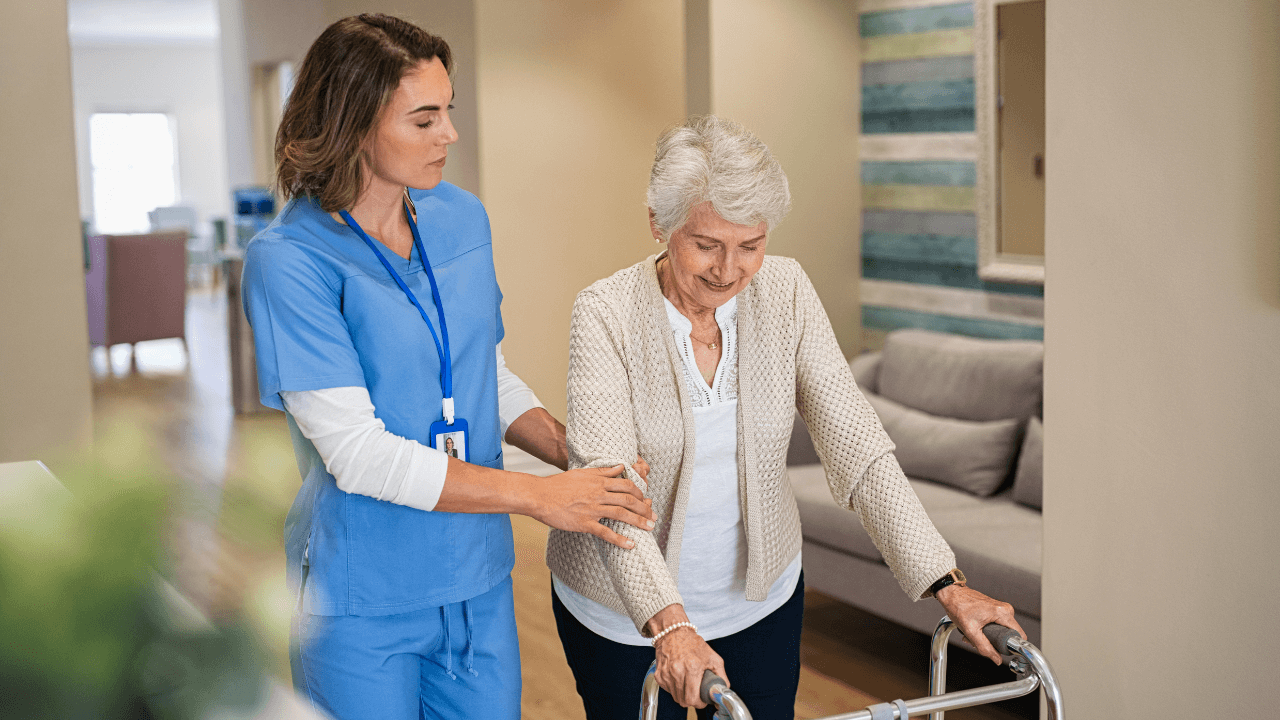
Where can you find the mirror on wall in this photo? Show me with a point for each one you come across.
(1010, 125)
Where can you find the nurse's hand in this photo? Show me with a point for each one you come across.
(578, 500)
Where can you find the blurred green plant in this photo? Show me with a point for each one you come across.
(88, 629)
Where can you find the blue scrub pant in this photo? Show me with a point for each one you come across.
(457, 661)
(762, 662)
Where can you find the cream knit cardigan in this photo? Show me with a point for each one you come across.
(627, 397)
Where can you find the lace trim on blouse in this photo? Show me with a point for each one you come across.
(724, 387)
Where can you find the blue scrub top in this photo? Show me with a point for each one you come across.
(326, 314)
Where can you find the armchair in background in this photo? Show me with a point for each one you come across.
(136, 287)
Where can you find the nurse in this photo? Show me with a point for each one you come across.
(375, 313)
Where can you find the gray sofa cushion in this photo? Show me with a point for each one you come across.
(972, 456)
(866, 368)
(1028, 483)
(962, 377)
(996, 541)
(801, 450)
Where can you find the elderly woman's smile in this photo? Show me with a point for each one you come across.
(710, 259)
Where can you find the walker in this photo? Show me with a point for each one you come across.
(1026, 662)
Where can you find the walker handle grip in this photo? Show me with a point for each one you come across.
(1000, 636)
(710, 679)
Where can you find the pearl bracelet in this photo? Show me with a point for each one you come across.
(669, 628)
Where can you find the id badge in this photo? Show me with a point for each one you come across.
(451, 439)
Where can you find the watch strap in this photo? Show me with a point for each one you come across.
(955, 577)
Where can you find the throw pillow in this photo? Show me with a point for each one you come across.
(1028, 483)
(972, 456)
(962, 377)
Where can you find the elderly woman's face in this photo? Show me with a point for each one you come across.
(712, 259)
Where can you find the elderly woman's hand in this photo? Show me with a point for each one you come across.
(682, 657)
(642, 469)
(971, 611)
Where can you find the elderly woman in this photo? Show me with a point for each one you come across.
(697, 359)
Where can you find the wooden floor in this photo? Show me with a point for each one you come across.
(236, 477)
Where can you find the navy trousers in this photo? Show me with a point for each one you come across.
(762, 662)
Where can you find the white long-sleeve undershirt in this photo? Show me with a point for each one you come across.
(366, 459)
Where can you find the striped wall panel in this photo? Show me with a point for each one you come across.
(916, 20)
(889, 318)
(919, 247)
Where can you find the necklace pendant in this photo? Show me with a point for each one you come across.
(713, 346)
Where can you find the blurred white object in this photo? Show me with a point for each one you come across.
(173, 217)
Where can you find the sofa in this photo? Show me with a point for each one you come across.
(965, 415)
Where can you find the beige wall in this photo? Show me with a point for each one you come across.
(45, 396)
(236, 87)
(573, 94)
(281, 30)
(789, 71)
(1162, 394)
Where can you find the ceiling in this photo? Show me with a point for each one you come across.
(142, 20)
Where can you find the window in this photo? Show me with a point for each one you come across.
(134, 169)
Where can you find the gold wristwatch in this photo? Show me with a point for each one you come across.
(955, 577)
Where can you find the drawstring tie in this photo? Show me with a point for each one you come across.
(468, 653)
(448, 645)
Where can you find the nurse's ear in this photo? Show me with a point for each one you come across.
(653, 227)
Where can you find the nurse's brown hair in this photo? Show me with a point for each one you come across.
(347, 77)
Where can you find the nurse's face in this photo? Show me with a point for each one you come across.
(410, 140)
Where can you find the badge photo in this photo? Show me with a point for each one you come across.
(451, 439)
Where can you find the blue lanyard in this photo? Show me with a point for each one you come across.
(446, 359)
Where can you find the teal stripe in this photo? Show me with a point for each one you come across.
(894, 72)
(929, 95)
(920, 248)
(933, 172)
(918, 121)
(940, 272)
(916, 20)
(906, 222)
(887, 318)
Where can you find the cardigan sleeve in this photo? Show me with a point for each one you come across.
(845, 429)
(857, 454)
(901, 530)
(601, 432)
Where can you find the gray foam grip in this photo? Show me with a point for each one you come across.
(999, 636)
(708, 679)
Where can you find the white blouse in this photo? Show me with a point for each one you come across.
(713, 553)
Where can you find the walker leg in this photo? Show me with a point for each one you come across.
(938, 661)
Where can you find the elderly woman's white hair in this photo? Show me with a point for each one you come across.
(707, 158)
